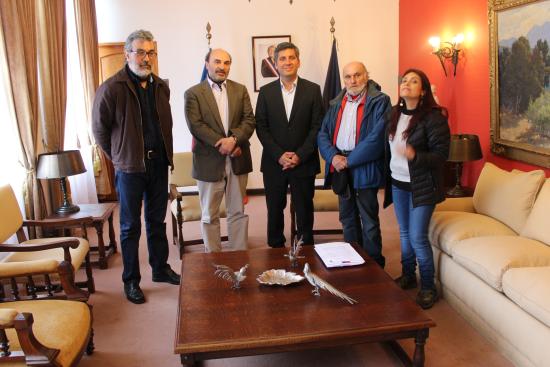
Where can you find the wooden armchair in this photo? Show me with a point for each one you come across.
(50, 332)
(324, 200)
(36, 262)
(184, 200)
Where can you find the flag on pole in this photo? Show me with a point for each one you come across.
(204, 71)
(333, 86)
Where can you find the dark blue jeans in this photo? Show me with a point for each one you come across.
(150, 186)
(360, 222)
(413, 232)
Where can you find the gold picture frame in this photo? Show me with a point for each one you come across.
(520, 79)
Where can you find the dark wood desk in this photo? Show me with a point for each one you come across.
(215, 321)
(99, 213)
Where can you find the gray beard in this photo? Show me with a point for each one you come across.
(142, 73)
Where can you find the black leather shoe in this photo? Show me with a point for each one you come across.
(134, 292)
(167, 276)
(426, 298)
(406, 281)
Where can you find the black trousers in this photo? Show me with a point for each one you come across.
(302, 190)
(149, 187)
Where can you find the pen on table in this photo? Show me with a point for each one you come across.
(345, 262)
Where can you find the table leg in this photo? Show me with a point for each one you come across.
(420, 341)
(112, 238)
(100, 245)
(188, 360)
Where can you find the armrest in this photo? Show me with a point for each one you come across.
(66, 243)
(7, 316)
(464, 204)
(58, 222)
(174, 194)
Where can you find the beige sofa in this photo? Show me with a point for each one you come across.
(492, 254)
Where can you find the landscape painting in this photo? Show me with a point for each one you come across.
(520, 97)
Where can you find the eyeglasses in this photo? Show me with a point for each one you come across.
(141, 53)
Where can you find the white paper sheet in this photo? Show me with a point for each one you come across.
(337, 254)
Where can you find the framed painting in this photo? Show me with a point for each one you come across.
(263, 62)
(519, 36)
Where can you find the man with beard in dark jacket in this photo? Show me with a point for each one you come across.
(132, 123)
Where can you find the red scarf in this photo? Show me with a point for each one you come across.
(360, 111)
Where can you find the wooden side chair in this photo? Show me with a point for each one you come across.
(47, 332)
(184, 200)
(35, 263)
(324, 200)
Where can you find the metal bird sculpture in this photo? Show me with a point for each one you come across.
(317, 283)
(293, 253)
(226, 273)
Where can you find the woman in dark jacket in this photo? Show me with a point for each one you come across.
(418, 145)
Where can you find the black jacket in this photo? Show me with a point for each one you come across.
(278, 135)
(116, 121)
(430, 138)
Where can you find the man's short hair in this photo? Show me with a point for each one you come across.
(207, 57)
(140, 34)
(285, 46)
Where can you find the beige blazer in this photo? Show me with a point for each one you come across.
(205, 124)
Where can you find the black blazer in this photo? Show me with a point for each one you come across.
(278, 135)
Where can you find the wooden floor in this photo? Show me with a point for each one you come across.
(143, 335)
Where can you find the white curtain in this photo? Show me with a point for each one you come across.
(83, 189)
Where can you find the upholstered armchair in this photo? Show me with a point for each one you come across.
(184, 200)
(36, 262)
(324, 200)
(46, 332)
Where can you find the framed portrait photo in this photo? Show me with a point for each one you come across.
(519, 36)
(263, 62)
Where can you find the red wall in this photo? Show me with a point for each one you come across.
(467, 95)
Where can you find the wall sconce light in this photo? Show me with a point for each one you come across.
(447, 50)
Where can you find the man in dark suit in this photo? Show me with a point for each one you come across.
(288, 116)
(220, 118)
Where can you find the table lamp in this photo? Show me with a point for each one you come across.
(60, 165)
(463, 148)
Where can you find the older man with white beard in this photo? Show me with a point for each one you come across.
(132, 123)
(351, 140)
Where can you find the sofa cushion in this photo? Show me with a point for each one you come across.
(448, 228)
(537, 225)
(59, 324)
(529, 288)
(490, 257)
(507, 196)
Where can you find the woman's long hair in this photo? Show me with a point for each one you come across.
(425, 105)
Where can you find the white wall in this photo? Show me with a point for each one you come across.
(367, 30)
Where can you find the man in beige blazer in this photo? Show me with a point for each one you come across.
(220, 118)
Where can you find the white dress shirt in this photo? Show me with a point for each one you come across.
(348, 125)
(220, 95)
(288, 97)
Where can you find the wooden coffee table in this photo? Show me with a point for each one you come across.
(215, 321)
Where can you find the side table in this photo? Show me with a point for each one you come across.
(100, 213)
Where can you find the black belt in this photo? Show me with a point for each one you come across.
(345, 153)
(151, 154)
